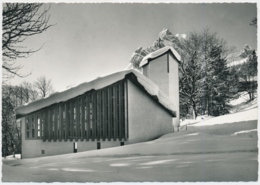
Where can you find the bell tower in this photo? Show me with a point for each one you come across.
(161, 67)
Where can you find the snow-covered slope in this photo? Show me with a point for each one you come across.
(247, 115)
(242, 111)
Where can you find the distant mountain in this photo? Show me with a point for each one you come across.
(239, 57)
(166, 38)
(246, 51)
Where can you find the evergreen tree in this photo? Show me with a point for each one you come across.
(223, 86)
(190, 83)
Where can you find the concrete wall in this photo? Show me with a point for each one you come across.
(33, 148)
(174, 88)
(146, 119)
(157, 72)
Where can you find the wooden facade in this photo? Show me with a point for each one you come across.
(96, 115)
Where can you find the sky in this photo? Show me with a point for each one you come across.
(90, 40)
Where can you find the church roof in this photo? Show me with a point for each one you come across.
(139, 79)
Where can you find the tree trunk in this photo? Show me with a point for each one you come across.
(250, 96)
(208, 105)
(195, 114)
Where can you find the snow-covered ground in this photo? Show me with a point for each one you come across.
(243, 98)
(209, 150)
(182, 156)
(247, 115)
(246, 132)
(242, 111)
(11, 157)
(192, 121)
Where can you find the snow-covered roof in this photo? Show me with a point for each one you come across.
(96, 84)
(158, 53)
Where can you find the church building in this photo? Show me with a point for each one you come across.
(122, 108)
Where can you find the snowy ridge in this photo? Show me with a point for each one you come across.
(237, 62)
(96, 84)
(158, 53)
(239, 57)
(246, 51)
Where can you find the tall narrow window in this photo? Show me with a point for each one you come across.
(107, 110)
(90, 115)
(80, 119)
(58, 122)
(27, 128)
(68, 115)
(123, 111)
(101, 113)
(42, 122)
(47, 124)
(64, 121)
(53, 124)
(117, 108)
(33, 125)
(112, 112)
(38, 127)
(74, 121)
(86, 121)
(95, 115)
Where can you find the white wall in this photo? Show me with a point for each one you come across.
(146, 119)
(157, 72)
(174, 88)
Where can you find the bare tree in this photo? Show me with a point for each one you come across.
(12, 97)
(20, 21)
(29, 91)
(43, 86)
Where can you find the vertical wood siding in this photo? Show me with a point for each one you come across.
(61, 132)
(109, 110)
(77, 124)
(96, 115)
(55, 112)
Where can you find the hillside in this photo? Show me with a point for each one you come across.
(247, 110)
